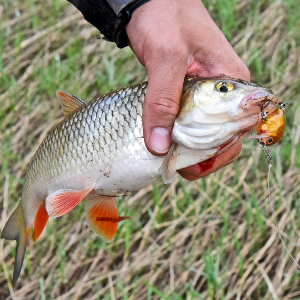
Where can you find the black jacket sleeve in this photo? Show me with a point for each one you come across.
(109, 17)
(100, 14)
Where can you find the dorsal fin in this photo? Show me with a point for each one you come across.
(69, 103)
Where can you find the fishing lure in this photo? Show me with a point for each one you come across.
(271, 128)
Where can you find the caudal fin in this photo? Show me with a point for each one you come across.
(15, 229)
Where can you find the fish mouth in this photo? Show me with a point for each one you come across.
(260, 100)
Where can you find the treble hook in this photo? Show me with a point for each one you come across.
(263, 114)
(267, 154)
(263, 105)
(283, 105)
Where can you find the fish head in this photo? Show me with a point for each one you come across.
(218, 112)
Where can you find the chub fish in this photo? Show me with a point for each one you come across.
(97, 152)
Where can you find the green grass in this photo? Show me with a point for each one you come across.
(207, 239)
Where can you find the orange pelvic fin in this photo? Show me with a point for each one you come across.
(63, 201)
(69, 103)
(40, 221)
(102, 216)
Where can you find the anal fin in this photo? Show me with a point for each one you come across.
(40, 221)
(102, 216)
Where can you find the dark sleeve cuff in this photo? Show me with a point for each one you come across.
(100, 15)
(109, 22)
(118, 5)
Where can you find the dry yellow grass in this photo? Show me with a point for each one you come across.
(210, 239)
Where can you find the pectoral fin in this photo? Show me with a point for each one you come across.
(102, 216)
(63, 201)
(168, 168)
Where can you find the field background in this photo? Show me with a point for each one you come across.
(214, 238)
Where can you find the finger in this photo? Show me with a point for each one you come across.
(165, 81)
(213, 164)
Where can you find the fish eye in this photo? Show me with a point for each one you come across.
(270, 140)
(224, 86)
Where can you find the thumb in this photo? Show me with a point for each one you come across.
(162, 101)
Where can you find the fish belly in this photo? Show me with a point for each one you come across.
(127, 175)
(121, 176)
(124, 174)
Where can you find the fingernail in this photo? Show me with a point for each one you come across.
(160, 140)
(190, 172)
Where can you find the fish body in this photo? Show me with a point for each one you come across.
(97, 152)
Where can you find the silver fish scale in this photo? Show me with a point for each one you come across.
(101, 131)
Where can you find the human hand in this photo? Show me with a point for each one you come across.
(174, 38)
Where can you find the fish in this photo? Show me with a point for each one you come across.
(97, 152)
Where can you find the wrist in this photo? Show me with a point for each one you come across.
(109, 16)
(120, 34)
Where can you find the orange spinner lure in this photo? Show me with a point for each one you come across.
(271, 129)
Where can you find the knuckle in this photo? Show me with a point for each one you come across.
(167, 52)
(177, 52)
(165, 106)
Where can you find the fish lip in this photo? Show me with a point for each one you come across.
(258, 136)
(254, 100)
